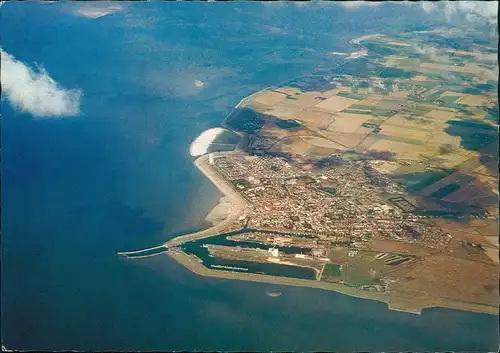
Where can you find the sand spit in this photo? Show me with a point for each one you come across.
(370, 36)
(195, 266)
(201, 144)
(406, 305)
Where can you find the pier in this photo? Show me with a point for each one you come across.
(144, 252)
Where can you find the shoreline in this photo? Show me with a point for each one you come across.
(201, 270)
(244, 100)
(393, 303)
(238, 205)
(237, 210)
(201, 144)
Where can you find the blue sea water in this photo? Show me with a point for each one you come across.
(76, 190)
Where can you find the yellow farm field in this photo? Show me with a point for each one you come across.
(481, 79)
(285, 111)
(258, 107)
(329, 93)
(492, 253)
(306, 99)
(414, 124)
(397, 94)
(467, 68)
(451, 94)
(479, 115)
(336, 103)
(484, 170)
(270, 129)
(323, 151)
(486, 227)
(402, 150)
(405, 132)
(440, 115)
(289, 90)
(487, 180)
(315, 118)
(322, 143)
(367, 142)
(293, 144)
(450, 160)
(463, 279)
(371, 100)
(385, 167)
(441, 138)
(475, 100)
(436, 107)
(269, 98)
(349, 123)
(344, 139)
(483, 56)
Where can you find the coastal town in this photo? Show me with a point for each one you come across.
(339, 204)
(380, 185)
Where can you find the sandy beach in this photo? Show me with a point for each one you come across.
(238, 205)
(201, 144)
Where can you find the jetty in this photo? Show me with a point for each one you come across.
(143, 252)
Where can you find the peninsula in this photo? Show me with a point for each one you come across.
(376, 178)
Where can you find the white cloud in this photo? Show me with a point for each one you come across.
(96, 9)
(428, 6)
(358, 4)
(274, 3)
(473, 10)
(312, 5)
(36, 92)
(434, 53)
